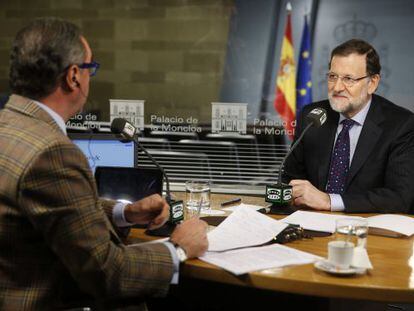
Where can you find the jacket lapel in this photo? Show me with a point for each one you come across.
(370, 134)
(327, 137)
(30, 108)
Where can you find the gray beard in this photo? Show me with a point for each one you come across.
(351, 107)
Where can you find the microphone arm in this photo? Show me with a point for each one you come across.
(167, 182)
(126, 132)
(282, 165)
(280, 195)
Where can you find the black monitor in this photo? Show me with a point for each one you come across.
(127, 183)
(105, 150)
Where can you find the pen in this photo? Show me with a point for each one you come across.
(232, 201)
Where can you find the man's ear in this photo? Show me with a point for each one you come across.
(373, 83)
(72, 78)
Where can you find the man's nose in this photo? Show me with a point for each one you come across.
(339, 85)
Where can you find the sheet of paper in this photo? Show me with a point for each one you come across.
(258, 258)
(314, 220)
(234, 207)
(397, 223)
(243, 228)
(360, 258)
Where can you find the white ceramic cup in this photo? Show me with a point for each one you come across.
(340, 253)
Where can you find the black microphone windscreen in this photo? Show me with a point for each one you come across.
(118, 125)
(122, 127)
(316, 117)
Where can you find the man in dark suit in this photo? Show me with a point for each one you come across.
(60, 244)
(362, 158)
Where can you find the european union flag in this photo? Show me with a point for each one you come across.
(304, 76)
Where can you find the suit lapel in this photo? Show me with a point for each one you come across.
(327, 137)
(30, 108)
(370, 134)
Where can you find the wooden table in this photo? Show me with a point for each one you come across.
(391, 280)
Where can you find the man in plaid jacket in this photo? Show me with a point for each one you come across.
(59, 242)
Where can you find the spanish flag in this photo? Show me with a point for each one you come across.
(285, 100)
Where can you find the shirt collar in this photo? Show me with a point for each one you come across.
(360, 117)
(56, 117)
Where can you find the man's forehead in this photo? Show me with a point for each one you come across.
(353, 62)
(353, 57)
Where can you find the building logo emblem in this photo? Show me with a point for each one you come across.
(131, 110)
(228, 117)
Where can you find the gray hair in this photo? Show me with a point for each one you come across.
(41, 53)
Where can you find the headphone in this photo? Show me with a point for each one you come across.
(76, 82)
(79, 86)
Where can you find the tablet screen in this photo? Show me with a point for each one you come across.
(128, 183)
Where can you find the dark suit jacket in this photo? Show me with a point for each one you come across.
(3, 100)
(381, 176)
(57, 243)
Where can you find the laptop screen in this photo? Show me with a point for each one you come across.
(105, 150)
(128, 184)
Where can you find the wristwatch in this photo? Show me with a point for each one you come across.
(181, 254)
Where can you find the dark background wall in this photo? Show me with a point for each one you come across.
(167, 52)
(181, 55)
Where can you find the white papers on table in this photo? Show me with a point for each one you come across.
(386, 224)
(243, 228)
(234, 207)
(314, 220)
(246, 260)
(391, 225)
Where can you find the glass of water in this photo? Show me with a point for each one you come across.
(354, 230)
(197, 196)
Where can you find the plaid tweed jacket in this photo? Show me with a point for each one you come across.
(57, 243)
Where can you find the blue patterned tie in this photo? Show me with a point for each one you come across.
(340, 160)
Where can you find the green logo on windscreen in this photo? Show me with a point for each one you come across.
(279, 193)
(176, 211)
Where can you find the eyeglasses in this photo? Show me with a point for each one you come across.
(92, 66)
(348, 81)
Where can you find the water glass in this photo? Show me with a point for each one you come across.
(197, 197)
(354, 230)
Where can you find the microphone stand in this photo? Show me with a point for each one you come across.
(280, 194)
(176, 207)
(126, 132)
(155, 162)
(282, 165)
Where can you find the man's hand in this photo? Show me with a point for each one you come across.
(152, 210)
(305, 194)
(191, 235)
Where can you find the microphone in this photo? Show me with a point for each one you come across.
(126, 132)
(280, 194)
